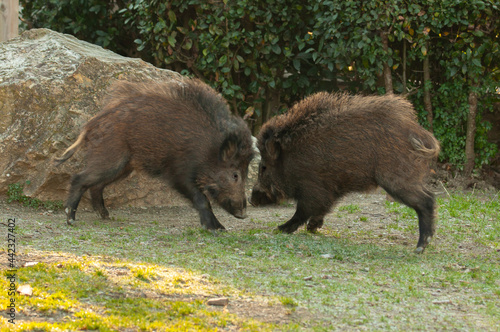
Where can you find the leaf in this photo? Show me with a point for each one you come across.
(222, 60)
(276, 49)
(188, 44)
(296, 64)
(171, 40)
(424, 50)
(171, 16)
(249, 112)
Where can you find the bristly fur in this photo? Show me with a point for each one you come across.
(194, 94)
(329, 145)
(327, 109)
(182, 132)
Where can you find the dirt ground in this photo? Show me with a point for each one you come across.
(372, 208)
(49, 224)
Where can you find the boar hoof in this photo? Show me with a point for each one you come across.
(285, 229)
(71, 222)
(313, 225)
(419, 250)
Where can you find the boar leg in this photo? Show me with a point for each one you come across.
(98, 201)
(299, 218)
(99, 172)
(422, 201)
(96, 192)
(314, 223)
(315, 210)
(207, 217)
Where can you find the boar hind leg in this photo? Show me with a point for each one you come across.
(422, 201)
(96, 174)
(98, 201)
(97, 190)
(314, 223)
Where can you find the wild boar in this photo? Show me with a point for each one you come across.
(329, 145)
(182, 133)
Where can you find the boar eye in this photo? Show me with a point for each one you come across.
(235, 176)
(263, 168)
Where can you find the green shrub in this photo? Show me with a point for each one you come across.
(264, 56)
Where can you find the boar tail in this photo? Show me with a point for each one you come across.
(71, 150)
(427, 148)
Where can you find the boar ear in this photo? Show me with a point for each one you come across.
(229, 148)
(273, 149)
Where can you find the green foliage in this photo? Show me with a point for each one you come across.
(264, 56)
(96, 21)
(15, 194)
(243, 48)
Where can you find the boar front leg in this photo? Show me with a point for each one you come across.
(308, 209)
(207, 217)
(299, 218)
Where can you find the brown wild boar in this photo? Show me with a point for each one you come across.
(329, 145)
(182, 133)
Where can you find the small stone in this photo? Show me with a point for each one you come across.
(25, 290)
(30, 264)
(220, 301)
(308, 278)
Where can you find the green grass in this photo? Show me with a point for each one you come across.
(15, 193)
(351, 208)
(360, 278)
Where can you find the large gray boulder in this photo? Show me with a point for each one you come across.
(50, 85)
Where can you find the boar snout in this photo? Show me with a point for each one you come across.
(237, 209)
(260, 197)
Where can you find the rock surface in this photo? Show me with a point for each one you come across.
(51, 84)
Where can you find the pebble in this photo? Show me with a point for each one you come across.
(219, 301)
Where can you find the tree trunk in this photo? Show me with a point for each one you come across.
(470, 156)
(387, 70)
(427, 92)
(9, 19)
(271, 104)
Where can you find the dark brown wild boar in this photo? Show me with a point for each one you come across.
(182, 133)
(331, 144)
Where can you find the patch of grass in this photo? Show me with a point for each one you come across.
(351, 208)
(355, 278)
(75, 296)
(472, 218)
(15, 193)
(287, 301)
